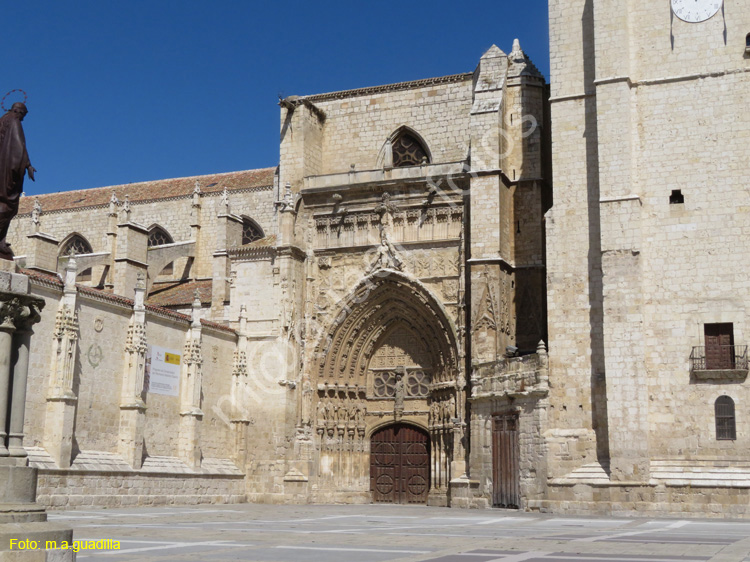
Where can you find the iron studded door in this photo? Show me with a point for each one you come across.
(400, 465)
(505, 469)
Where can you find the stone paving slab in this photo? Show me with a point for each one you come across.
(380, 533)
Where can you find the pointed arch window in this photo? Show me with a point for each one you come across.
(408, 150)
(77, 244)
(251, 231)
(726, 427)
(157, 236)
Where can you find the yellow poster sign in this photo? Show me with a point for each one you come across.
(172, 358)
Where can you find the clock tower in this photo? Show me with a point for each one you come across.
(647, 244)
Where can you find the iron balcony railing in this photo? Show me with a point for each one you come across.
(719, 358)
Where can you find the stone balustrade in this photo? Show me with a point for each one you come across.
(512, 376)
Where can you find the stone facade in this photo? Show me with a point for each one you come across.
(399, 313)
(399, 241)
(645, 259)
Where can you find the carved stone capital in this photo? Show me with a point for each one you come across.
(19, 312)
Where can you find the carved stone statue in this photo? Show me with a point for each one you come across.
(400, 390)
(14, 163)
(386, 257)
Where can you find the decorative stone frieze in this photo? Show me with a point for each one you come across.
(513, 377)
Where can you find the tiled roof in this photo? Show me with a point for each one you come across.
(43, 277)
(168, 313)
(263, 247)
(218, 326)
(175, 294)
(425, 82)
(267, 242)
(104, 295)
(180, 293)
(149, 190)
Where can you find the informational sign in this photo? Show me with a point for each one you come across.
(163, 371)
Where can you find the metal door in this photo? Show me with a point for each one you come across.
(400, 465)
(505, 469)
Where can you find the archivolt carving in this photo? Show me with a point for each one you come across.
(376, 306)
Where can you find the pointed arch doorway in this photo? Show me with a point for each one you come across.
(400, 464)
(389, 360)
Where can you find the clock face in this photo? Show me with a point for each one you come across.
(695, 11)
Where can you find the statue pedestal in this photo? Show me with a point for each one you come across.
(7, 266)
(18, 492)
(25, 533)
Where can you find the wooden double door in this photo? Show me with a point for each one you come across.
(400, 464)
(719, 346)
(506, 489)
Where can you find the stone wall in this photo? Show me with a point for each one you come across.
(357, 126)
(59, 489)
(646, 245)
(90, 443)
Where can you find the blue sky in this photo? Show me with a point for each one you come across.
(121, 92)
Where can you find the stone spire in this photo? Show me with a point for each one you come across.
(489, 75)
(519, 64)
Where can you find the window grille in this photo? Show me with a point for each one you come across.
(408, 151)
(76, 244)
(416, 384)
(157, 236)
(725, 421)
(250, 231)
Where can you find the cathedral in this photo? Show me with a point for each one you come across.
(476, 290)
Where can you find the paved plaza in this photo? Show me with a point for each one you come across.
(380, 533)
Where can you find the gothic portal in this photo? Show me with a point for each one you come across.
(389, 360)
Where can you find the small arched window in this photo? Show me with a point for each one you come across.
(78, 245)
(251, 231)
(408, 150)
(725, 421)
(157, 236)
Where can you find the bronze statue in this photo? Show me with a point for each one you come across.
(14, 163)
